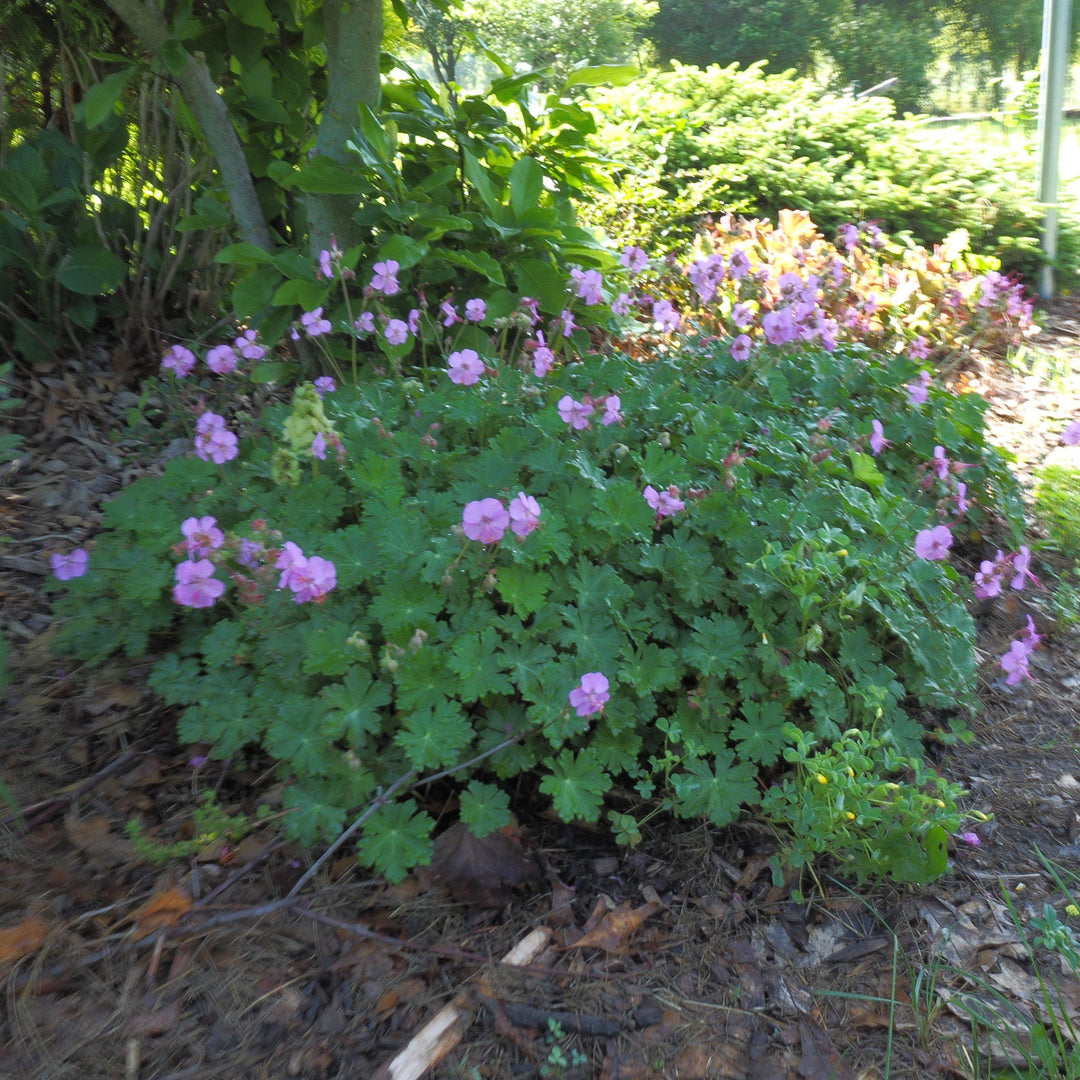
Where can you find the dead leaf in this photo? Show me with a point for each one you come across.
(93, 836)
(405, 990)
(162, 909)
(19, 941)
(481, 870)
(820, 1059)
(156, 1022)
(614, 927)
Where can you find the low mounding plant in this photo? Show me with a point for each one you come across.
(627, 583)
(692, 142)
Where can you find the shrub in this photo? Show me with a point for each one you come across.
(693, 142)
(643, 584)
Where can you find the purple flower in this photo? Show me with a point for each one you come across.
(878, 442)
(933, 543)
(212, 441)
(179, 360)
(314, 323)
(738, 264)
(543, 357)
(414, 320)
(968, 838)
(524, 513)
(312, 580)
(566, 321)
(665, 317)
(475, 310)
(622, 304)
(365, 323)
(449, 313)
(1071, 435)
(196, 585)
(201, 535)
(612, 415)
(575, 413)
(591, 694)
(385, 279)
(221, 359)
(325, 384)
(396, 332)
(1029, 635)
(73, 565)
(740, 347)
(326, 267)
(848, 235)
(250, 554)
(919, 390)
(665, 503)
(961, 497)
(919, 349)
(485, 520)
(988, 577)
(249, 346)
(940, 464)
(742, 316)
(779, 326)
(634, 259)
(589, 284)
(1015, 663)
(465, 367)
(290, 560)
(318, 446)
(1020, 564)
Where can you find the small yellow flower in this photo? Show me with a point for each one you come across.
(1072, 910)
(822, 779)
(850, 816)
(842, 551)
(939, 804)
(1020, 886)
(850, 771)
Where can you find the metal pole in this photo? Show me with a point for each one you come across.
(1052, 69)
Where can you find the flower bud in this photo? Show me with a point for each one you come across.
(664, 439)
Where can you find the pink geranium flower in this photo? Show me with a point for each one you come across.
(221, 359)
(384, 279)
(1071, 435)
(575, 413)
(66, 567)
(179, 360)
(933, 543)
(524, 513)
(665, 503)
(878, 442)
(591, 694)
(485, 520)
(465, 367)
(612, 415)
(201, 535)
(196, 585)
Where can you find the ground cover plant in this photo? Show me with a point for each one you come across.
(691, 142)
(706, 577)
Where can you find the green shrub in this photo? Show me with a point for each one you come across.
(1057, 503)
(695, 142)
(725, 553)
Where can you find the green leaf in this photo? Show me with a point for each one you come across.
(253, 293)
(484, 808)
(760, 736)
(395, 839)
(597, 74)
(436, 737)
(524, 590)
(477, 660)
(308, 294)
(101, 98)
(478, 261)
(244, 255)
(526, 185)
(175, 57)
(542, 281)
(253, 13)
(577, 785)
(717, 644)
(404, 250)
(355, 703)
(864, 469)
(91, 270)
(718, 793)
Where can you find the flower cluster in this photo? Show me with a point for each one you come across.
(486, 520)
(221, 359)
(991, 572)
(1015, 662)
(213, 441)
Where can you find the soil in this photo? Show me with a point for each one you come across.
(677, 959)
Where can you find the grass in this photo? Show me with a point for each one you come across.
(1057, 504)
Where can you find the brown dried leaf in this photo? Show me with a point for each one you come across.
(481, 871)
(612, 930)
(19, 941)
(162, 909)
(93, 836)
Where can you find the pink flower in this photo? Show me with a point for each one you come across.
(919, 390)
(475, 310)
(591, 694)
(179, 360)
(215, 443)
(318, 446)
(291, 560)
(1071, 435)
(312, 580)
(622, 304)
(779, 326)
(414, 320)
(742, 316)
(249, 346)
(325, 384)
(485, 520)
(575, 413)
(201, 535)
(589, 284)
(326, 267)
(566, 321)
(221, 359)
(524, 514)
(1015, 662)
(940, 464)
(878, 442)
(612, 404)
(1029, 636)
(66, 567)
(1021, 564)
(961, 497)
(543, 357)
(465, 367)
(665, 318)
(919, 350)
(396, 332)
(385, 279)
(634, 259)
(740, 347)
(665, 503)
(314, 323)
(195, 584)
(364, 324)
(449, 313)
(968, 838)
(933, 543)
(988, 577)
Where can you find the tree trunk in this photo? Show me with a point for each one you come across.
(353, 38)
(204, 101)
